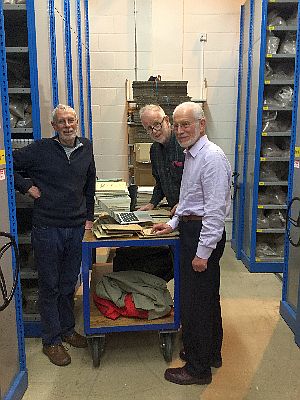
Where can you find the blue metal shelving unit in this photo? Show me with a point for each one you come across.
(290, 303)
(248, 235)
(20, 382)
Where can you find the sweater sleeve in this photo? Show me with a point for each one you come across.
(158, 193)
(23, 161)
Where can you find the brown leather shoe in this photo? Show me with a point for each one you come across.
(181, 377)
(57, 354)
(76, 340)
(216, 363)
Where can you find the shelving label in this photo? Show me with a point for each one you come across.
(260, 206)
(297, 151)
(264, 134)
(263, 159)
(2, 156)
(259, 230)
(258, 259)
(265, 108)
(267, 82)
(261, 183)
(271, 28)
(269, 55)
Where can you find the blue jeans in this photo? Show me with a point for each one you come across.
(57, 254)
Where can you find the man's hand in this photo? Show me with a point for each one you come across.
(161, 229)
(146, 207)
(88, 225)
(172, 212)
(34, 192)
(199, 264)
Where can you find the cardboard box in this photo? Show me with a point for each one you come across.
(142, 152)
(143, 175)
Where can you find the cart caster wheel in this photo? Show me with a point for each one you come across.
(166, 345)
(97, 344)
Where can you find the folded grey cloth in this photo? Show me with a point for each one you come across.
(149, 292)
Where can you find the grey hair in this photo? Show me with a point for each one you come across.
(151, 107)
(64, 108)
(195, 107)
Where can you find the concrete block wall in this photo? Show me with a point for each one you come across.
(168, 44)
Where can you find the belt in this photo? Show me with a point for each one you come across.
(186, 218)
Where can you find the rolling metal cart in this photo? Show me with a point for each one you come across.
(96, 325)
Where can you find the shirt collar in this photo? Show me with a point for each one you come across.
(194, 150)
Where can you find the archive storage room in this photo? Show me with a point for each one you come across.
(150, 199)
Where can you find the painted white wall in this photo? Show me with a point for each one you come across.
(168, 44)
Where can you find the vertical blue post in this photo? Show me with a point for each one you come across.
(35, 100)
(88, 68)
(68, 45)
(55, 99)
(80, 72)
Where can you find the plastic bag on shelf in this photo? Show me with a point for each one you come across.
(277, 195)
(262, 220)
(284, 144)
(26, 122)
(278, 245)
(276, 219)
(16, 106)
(282, 170)
(31, 296)
(293, 19)
(268, 70)
(270, 149)
(269, 122)
(283, 97)
(13, 120)
(267, 173)
(264, 250)
(272, 122)
(274, 18)
(272, 44)
(288, 44)
(263, 197)
(8, 1)
(284, 71)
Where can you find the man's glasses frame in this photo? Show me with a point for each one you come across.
(155, 127)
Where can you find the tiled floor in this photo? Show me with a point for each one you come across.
(260, 359)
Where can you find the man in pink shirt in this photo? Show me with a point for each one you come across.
(204, 203)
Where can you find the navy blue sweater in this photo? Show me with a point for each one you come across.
(67, 186)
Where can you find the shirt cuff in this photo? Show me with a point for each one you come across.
(204, 252)
(173, 222)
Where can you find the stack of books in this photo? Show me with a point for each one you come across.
(108, 231)
(111, 196)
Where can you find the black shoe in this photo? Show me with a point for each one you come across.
(181, 377)
(216, 363)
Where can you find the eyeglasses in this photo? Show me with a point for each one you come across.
(156, 126)
(64, 122)
(183, 125)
